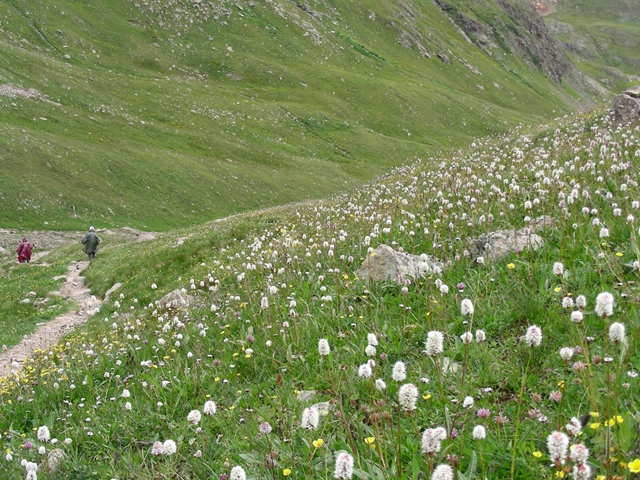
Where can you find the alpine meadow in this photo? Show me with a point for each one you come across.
(352, 240)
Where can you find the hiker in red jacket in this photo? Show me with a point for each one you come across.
(24, 251)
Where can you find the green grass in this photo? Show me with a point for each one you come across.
(609, 31)
(16, 281)
(171, 361)
(298, 120)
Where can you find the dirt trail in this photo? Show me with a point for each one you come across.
(48, 334)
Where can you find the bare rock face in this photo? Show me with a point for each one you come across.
(626, 107)
(500, 243)
(387, 264)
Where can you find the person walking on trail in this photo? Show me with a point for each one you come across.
(24, 251)
(90, 242)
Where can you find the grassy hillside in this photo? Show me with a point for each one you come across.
(602, 37)
(166, 113)
(264, 288)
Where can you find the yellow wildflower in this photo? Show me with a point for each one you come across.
(634, 466)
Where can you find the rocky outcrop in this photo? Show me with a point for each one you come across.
(516, 27)
(176, 299)
(626, 107)
(384, 263)
(500, 243)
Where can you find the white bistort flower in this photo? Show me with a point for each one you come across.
(434, 345)
(479, 432)
(617, 333)
(194, 417)
(399, 373)
(581, 301)
(574, 427)
(344, 466)
(466, 307)
(566, 353)
(442, 472)
(310, 418)
(533, 337)
(323, 347)
(372, 339)
(468, 402)
(43, 434)
(567, 302)
(431, 440)
(407, 396)
(370, 351)
(364, 371)
(558, 269)
(209, 407)
(466, 338)
(582, 472)
(577, 316)
(604, 304)
(557, 443)
(237, 473)
(380, 385)
(481, 336)
(169, 447)
(579, 454)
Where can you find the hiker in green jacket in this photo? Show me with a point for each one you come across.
(90, 242)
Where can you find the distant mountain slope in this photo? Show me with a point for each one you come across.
(160, 113)
(602, 37)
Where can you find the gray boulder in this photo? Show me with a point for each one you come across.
(145, 237)
(500, 243)
(176, 299)
(384, 263)
(626, 107)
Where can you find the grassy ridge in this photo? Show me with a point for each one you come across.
(165, 116)
(267, 286)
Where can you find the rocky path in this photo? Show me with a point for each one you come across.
(48, 334)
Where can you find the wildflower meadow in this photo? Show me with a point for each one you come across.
(275, 360)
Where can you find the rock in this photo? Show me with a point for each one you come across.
(112, 289)
(500, 243)
(3, 252)
(385, 263)
(59, 277)
(130, 231)
(26, 300)
(305, 395)
(635, 93)
(626, 107)
(176, 299)
(38, 304)
(145, 237)
(31, 294)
